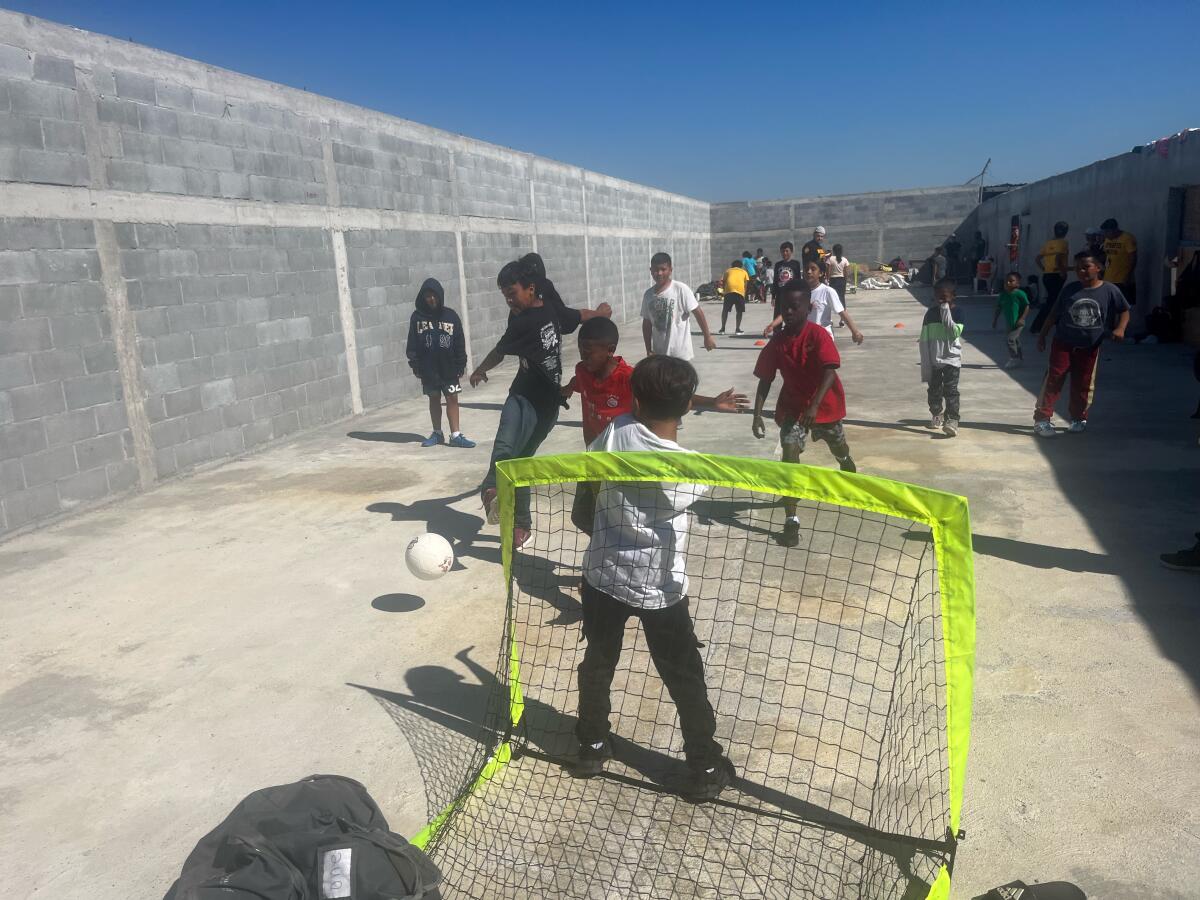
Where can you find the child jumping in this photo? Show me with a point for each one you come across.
(812, 400)
(635, 566)
(437, 353)
(941, 357)
(1013, 303)
(531, 409)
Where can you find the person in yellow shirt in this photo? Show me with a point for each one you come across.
(1052, 260)
(1120, 252)
(736, 279)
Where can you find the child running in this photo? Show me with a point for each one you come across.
(531, 410)
(941, 357)
(437, 353)
(812, 400)
(635, 566)
(1013, 304)
(667, 308)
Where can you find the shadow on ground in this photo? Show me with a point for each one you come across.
(388, 437)
(440, 719)
(1132, 476)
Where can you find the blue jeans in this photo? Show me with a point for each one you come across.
(520, 433)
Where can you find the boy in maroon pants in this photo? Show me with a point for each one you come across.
(1084, 312)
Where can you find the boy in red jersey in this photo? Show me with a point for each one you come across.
(812, 400)
(602, 380)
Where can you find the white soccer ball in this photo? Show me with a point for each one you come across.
(429, 556)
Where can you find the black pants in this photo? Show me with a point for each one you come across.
(839, 285)
(1053, 285)
(733, 301)
(943, 391)
(675, 651)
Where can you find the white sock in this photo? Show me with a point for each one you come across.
(455, 434)
(795, 519)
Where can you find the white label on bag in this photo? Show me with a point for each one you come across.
(335, 874)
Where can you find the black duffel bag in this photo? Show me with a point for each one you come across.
(321, 838)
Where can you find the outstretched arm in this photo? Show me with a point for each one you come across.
(603, 310)
(726, 401)
(490, 361)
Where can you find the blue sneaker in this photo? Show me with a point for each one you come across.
(434, 439)
(461, 440)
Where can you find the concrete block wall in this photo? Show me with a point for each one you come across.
(194, 263)
(64, 435)
(871, 227)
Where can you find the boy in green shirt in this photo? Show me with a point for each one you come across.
(1014, 304)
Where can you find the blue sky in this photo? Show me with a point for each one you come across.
(723, 102)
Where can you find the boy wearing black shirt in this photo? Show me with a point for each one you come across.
(787, 269)
(531, 410)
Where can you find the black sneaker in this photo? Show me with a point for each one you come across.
(1183, 560)
(791, 534)
(702, 785)
(590, 760)
(847, 465)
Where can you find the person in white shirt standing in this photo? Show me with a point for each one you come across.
(635, 565)
(667, 310)
(825, 305)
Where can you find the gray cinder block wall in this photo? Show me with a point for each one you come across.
(1142, 191)
(871, 227)
(189, 258)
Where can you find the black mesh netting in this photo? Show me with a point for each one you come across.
(823, 663)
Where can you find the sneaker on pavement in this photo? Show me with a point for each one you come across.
(722, 331)
(590, 760)
(702, 785)
(847, 464)
(739, 331)
(521, 536)
(790, 537)
(950, 427)
(461, 440)
(1079, 426)
(434, 439)
(935, 421)
(491, 508)
(1183, 560)
(1044, 429)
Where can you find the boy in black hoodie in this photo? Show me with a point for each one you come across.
(437, 352)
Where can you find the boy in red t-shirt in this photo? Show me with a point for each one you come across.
(812, 400)
(602, 380)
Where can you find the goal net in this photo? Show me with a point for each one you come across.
(838, 665)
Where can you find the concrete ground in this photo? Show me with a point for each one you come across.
(166, 655)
